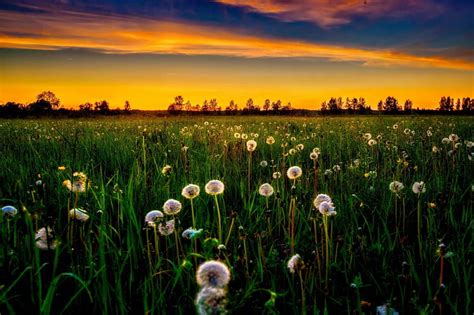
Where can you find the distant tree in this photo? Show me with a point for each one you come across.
(361, 105)
(40, 106)
(407, 107)
(335, 105)
(11, 109)
(127, 107)
(266, 105)
(380, 106)
(446, 104)
(232, 107)
(340, 103)
(102, 107)
(391, 105)
(50, 97)
(348, 104)
(324, 106)
(86, 107)
(188, 106)
(276, 106)
(458, 104)
(213, 106)
(205, 106)
(249, 105)
(287, 107)
(466, 104)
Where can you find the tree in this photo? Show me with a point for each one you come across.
(232, 107)
(348, 104)
(266, 105)
(276, 105)
(213, 106)
(408, 105)
(86, 107)
(102, 106)
(391, 105)
(335, 105)
(361, 105)
(324, 106)
(458, 104)
(467, 104)
(205, 106)
(50, 97)
(446, 104)
(249, 105)
(380, 106)
(287, 106)
(127, 107)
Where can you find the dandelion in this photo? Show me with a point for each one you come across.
(251, 145)
(320, 199)
(419, 188)
(212, 273)
(266, 190)
(327, 172)
(61, 168)
(292, 151)
(445, 141)
(172, 207)
(78, 214)
(166, 228)
(300, 147)
(191, 233)
(317, 150)
(276, 175)
(313, 156)
(395, 127)
(434, 149)
(211, 300)
(263, 163)
(152, 217)
(270, 140)
(396, 187)
(327, 209)
(166, 170)
(367, 136)
(44, 239)
(294, 172)
(372, 142)
(214, 187)
(244, 136)
(237, 135)
(79, 184)
(453, 137)
(294, 263)
(191, 191)
(9, 211)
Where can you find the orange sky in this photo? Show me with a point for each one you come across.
(180, 62)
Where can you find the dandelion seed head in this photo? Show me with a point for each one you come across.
(396, 186)
(191, 191)
(276, 175)
(78, 214)
(266, 190)
(211, 300)
(166, 228)
(172, 207)
(313, 156)
(419, 187)
(294, 172)
(251, 145)
(152, 217)
(294, 263)
(270, 140)
(214, 187)
(9, 211)
(321, 198)
(213, 273)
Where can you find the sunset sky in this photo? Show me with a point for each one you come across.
(303, 52)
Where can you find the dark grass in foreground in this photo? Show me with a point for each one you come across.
(382, 247)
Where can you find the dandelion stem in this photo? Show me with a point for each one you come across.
(230, 231)
(325, 223)
(303, 302)
(218, 219)
(419, 226)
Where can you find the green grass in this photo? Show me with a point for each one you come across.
(106, 266)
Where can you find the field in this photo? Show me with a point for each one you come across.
(389, 248)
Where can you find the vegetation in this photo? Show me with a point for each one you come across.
(402, 237)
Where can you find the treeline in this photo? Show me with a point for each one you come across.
(179, 106)
(48, 104)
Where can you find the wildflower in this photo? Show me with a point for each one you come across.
(327, 208)
(396, 186)
(294, 263)
(276, 175)
(9, 211)
(445, 141)
(237, 135)
(214, 187)
(431, 205)
(395, 127)
(372, 142)
(61, 168)
(244, 136)
(300, 147)
(251, 145)
(45, 239)
(320, 199)
(453, 137)
(270, 140)
(79, 184)
(213, 273)
(265, 190)
(264, 163)
(292, 151)
(419, 187)
(78, 214)
(317, 151)
(166, 228)
(434, 149)
(336, 168)
(211, 300)
(152, 217)
(166, 170)
(327, 172)
(294, 172)
(191, 191)
(366, 175)
(172, 207)
(191, 233)
(313, 156)
(367, 136)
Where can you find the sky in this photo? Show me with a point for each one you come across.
(298, 51)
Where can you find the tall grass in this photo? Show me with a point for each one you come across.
(113, 264)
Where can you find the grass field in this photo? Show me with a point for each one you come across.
(382, 251)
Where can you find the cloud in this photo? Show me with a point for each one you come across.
(330, 13)
(128, 35)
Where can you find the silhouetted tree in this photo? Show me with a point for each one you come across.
(205, 106)
(266, 105)
(324, 106)
(232, 107)
(287, 106)
(276, 106)
(407, 107)
(40, 106)
(127, 108)
(86, 107)
(380, 106)
(102, 107)
(11, 109)
(391, 105)
(177, 105)
(213, 106)
(50, 97)
(446, 104)
(361, 105)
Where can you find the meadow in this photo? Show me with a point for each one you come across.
(376, 219)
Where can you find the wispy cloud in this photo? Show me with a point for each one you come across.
(329, 13)
(116, 34)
